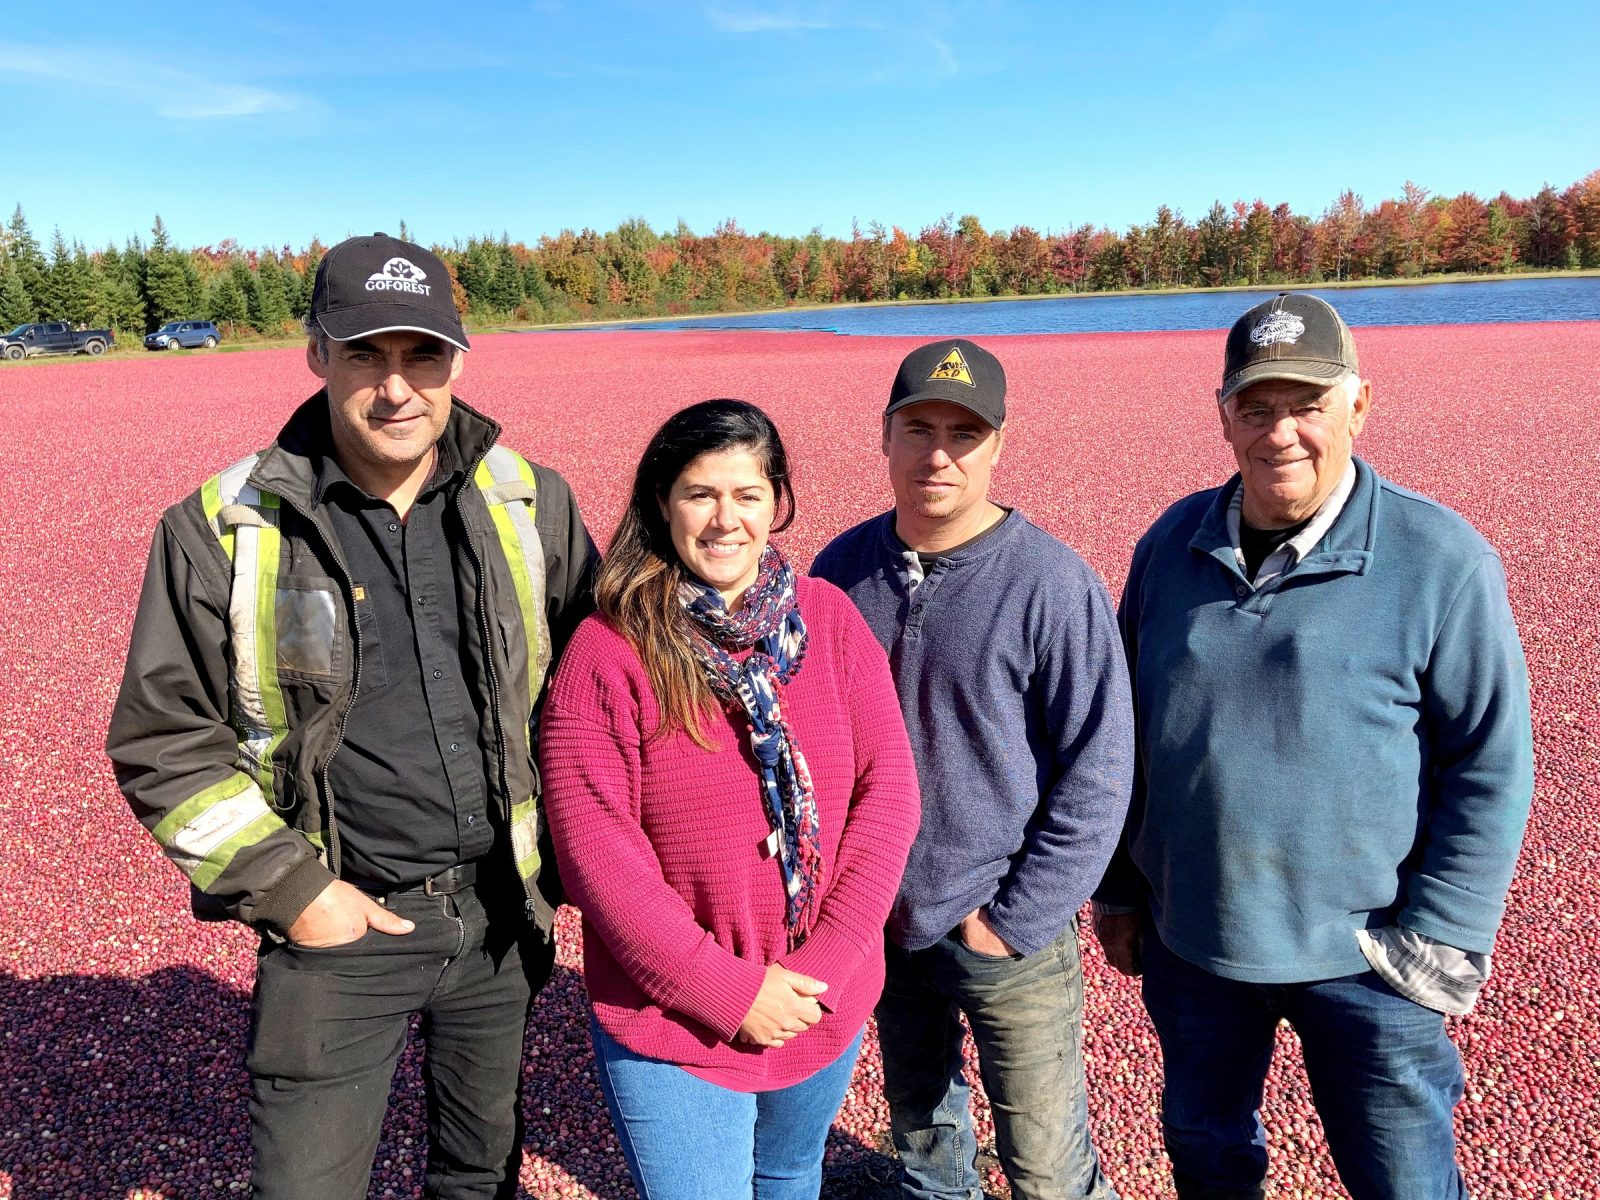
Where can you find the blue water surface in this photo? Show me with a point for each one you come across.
(1532, 299)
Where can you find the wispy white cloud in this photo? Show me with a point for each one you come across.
(749, 21)
(946, 55)
(166, 91)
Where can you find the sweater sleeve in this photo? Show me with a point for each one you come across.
(1480, 747)
(885, 810)
(1082, 681)
(590, 749)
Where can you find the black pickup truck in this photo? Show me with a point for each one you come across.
(53, 337)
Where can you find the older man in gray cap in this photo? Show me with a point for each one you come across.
(326, 722)
(1334, 771)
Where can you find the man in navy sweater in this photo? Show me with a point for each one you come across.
(1009, 669)
(1335, 768)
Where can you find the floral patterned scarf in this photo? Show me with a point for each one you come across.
(769, 621)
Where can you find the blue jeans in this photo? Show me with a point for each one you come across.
(1026, 1016)
(686, 1139)
(1384, 1078)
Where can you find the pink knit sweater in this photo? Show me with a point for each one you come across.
(660, 845)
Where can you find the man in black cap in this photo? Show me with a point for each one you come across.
(327, 721)
(1006, 658)
(1335, 767)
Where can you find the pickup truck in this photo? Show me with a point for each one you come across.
(53, 337)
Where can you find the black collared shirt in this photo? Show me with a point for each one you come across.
(409, 783)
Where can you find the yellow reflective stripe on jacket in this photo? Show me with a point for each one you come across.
(509, 490)
(245, 521)
(507, 482)
(525, 837)
(203, 834)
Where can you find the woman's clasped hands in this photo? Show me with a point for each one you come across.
(785, 1007)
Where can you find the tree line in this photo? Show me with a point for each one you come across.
(634, 270)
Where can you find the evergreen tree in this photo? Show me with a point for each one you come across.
(296, 289)
(226, 303)
(16, 308)
(56, 297)
(269, 311)
(168, 290)
(125, 308)
(28, 262)
(505, 287)
(88, 288)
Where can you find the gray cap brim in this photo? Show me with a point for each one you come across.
(1292, 370)
(364, 320)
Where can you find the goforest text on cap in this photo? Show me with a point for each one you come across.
(379, 284)
(1293, 336)
(954, 370)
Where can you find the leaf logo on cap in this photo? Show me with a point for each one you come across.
(1277, 327)
(399, 275)
(953, 368)
(401, 268)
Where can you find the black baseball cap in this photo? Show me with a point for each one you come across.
(377, 284)
(1292, 336)
(955, 370)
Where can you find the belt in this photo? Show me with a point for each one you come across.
(446, 883)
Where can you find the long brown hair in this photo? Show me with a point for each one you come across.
(637, 588)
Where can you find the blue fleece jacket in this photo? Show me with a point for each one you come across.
(1348, 747)
(1010, 674)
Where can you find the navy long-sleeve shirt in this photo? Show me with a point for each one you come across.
(1010, 673)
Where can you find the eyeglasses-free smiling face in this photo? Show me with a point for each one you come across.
(719, 512)
(1292, 442)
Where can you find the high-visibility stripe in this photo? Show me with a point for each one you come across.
(203, 834)
(211, 501)
(497, 476)
(246, 523)
(221, 858)
(525, 837)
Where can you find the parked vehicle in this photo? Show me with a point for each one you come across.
(53, 337)
(184, 335)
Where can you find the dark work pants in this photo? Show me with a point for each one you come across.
(1026, 1016)
(328, 1026)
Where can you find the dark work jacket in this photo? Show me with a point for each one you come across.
(171, 738)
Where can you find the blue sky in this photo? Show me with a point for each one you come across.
(274, 123)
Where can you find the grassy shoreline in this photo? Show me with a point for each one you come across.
(134, 348)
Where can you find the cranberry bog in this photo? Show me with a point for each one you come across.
(123, 1022)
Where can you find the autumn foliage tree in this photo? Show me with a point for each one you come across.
(635, 269)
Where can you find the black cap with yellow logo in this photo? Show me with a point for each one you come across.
(954, 370)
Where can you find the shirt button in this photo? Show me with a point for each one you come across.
(472, 819)
(393, 527)
(915, 609)
(438, 674)
(455, 747)
(422, 600)
(1241, 590)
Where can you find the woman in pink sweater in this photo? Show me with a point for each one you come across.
(732, 799)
